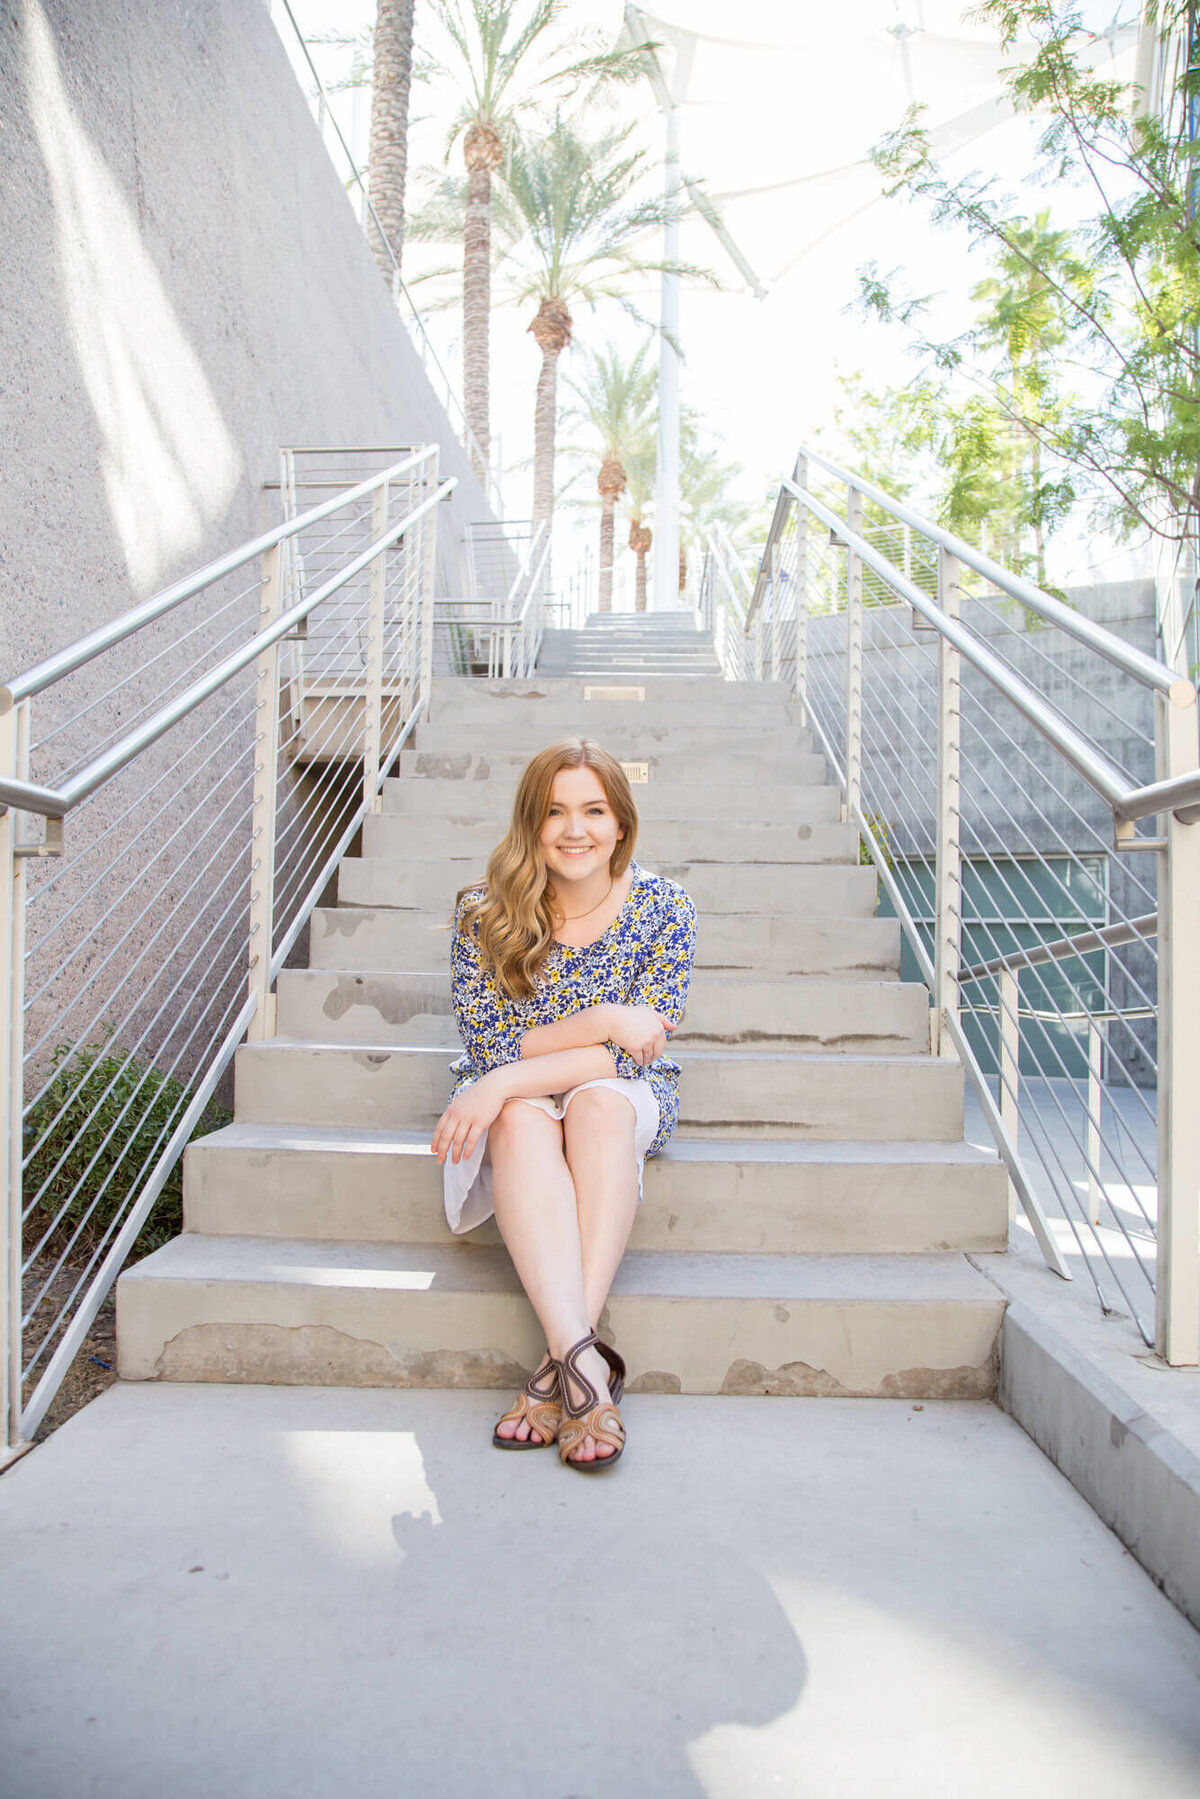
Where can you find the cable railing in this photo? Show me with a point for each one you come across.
(725, 593)
(498, 635)
(201, 765)
(998, 751)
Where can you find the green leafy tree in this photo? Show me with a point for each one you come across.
(1120, 296)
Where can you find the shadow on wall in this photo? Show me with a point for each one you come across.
(169, 465)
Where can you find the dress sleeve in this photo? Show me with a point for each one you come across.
(664, 971)
(487, 1021)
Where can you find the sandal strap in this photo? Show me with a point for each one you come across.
(567, 1366)
(603, 1424)
(616, 1380)
(543, 1414)
(544, 1395)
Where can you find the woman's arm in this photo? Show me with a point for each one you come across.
(472, 1110)
(638, 1030)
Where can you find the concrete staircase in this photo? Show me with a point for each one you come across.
(805, 1233)
(631, 644)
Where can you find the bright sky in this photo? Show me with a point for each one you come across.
(783, 100)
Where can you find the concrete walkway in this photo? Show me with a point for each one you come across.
(301, 1593)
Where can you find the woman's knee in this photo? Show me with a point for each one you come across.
(599, 1114)
(519, 1127)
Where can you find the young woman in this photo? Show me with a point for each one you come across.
(568, 969)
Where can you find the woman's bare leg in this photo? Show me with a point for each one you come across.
(598, 1138)
(599, 1132)
(534, 1198)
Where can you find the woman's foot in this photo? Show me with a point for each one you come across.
(534, 1406)
(593, 1367)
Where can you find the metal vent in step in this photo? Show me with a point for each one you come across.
(614, 693)
(636, 772)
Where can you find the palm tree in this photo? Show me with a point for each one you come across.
(616, 398)
(640, 487)
(505, 62)
(575, 197)
(391, 80)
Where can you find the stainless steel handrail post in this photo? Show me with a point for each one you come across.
(1177, 1287)
(14, 761)
(1009, 1006)
(1094, 1133)
(775, 608)
(263, 811)
(854, 648)
(948, 866)
(800, 677)
(429, 527)
(373, 690)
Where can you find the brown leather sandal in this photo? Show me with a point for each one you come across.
(616, 1362)
(538, 1406)
(593, 1417)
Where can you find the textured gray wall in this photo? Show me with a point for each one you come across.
(186, 289)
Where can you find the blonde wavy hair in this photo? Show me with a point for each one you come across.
(515, 918)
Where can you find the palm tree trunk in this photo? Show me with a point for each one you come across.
(388, 153)
(607, 508)
(482, 152)
(551, 328)
(640, 587)
(477, 306)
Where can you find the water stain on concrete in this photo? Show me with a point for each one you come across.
(319, 1355)
(799, 1380)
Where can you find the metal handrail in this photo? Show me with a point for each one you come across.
(1113, 936)
(44, 674)
(1114, 649)
(896, 730)
(57, 802)
(1179, 795)
(190, 938)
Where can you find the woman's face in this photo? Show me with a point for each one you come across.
(581, 831)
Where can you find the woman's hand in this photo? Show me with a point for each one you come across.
(467, 1116)
(641, 1032)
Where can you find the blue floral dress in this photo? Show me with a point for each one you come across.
(644, 958)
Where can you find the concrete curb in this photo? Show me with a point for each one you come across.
(1133, 1468)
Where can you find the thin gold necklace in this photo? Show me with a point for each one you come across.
(574, 917)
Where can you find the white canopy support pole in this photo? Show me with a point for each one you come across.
(665, 596)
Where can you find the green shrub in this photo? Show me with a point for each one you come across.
(881, 830)
(103, 1111)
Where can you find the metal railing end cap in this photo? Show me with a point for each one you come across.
(1182, 693)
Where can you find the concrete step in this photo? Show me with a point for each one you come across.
(370, 1314)
(829, 1097)
(630, 742)
(857, 949)
(429, 797)
(633, 669)
(835, 890)
(701, 1195)
(387, 837)
(749, 771)
(862, 1018)
(598, 718)
(751, 696)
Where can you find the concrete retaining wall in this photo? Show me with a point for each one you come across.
(186, 291)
